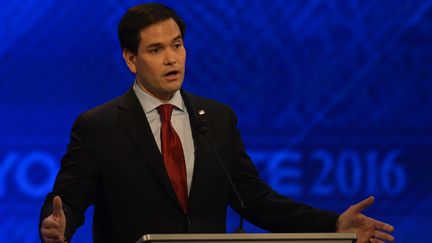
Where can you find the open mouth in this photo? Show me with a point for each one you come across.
(171, 73)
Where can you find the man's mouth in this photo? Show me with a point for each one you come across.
(172, 74)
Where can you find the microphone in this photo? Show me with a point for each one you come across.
(202, 125)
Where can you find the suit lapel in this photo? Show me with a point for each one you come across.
(135, 122)
(201, 171)
(209, 184)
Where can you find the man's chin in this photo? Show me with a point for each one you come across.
(172, 87)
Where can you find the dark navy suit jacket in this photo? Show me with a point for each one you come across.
(113, 163)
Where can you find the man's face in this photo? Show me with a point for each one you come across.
(159, 64)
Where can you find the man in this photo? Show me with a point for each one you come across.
(160, 160)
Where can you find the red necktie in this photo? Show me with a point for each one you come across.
(172, 154)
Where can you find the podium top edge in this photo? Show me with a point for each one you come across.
(239, 237)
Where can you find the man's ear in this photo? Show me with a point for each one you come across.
(130, 60)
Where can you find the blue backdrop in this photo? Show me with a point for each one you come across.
(333, 97)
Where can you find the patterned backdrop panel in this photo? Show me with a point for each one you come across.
(333, 97)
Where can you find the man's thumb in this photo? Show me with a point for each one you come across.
(364, 204)
(57, 207)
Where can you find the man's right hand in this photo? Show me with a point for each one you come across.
(53, 226)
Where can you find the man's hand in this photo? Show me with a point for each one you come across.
(367, 229)
(53, 226)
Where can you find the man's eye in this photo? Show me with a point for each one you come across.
(178, 45)
(155, 50)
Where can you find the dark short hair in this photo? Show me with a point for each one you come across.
(140, 17)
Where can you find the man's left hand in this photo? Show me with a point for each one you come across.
(367, 229)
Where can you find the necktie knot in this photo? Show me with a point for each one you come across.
(165, 112)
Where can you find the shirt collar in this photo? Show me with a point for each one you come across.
(149, 103)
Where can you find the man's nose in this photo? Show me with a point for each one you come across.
(170, 58)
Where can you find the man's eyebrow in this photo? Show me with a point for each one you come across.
(177, 38)
(157, 44)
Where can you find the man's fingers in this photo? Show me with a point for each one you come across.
(57, 207)
(382, 226)
(363, 204)
(383, 236)
(50, 223)
(51, 234)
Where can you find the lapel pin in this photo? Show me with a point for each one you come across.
(201, 112)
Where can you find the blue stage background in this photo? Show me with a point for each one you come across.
(333, 97)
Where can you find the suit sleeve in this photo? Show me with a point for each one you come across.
(78, 179)
(266, 208)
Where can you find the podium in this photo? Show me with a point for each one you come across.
(250, 238)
